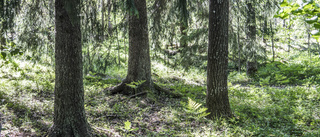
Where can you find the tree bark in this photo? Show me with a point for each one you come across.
(102, 20)
(239, 46)
(139, 64)
(251, 25)
(217, 99)
(69, 114)
(183, 23)
(272, 42)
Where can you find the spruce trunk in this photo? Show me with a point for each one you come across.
(69, 113)
(217, 100)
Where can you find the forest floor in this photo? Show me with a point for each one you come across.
(26, 105)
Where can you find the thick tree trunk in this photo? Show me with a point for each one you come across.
(139, 64)
(217, 99)
(69, 113)
(251, 25)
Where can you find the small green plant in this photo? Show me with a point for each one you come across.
(195, 110)
(128, 128)
(135, 85)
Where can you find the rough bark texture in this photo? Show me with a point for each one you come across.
(251, 34)
(183, 23)
(217, 99)
(139, 64)
(69, 113)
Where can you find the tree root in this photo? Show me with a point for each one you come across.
(116, 89)
(166, 92)
(122, 88)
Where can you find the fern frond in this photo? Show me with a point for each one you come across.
(192, 105)
(202, 110)
(195, 109)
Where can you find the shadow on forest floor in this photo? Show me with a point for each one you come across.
(27, 108)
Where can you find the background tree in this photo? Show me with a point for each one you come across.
(139, 66)
(251, 36)
(69, 113)
(217, 99)
(184, 16)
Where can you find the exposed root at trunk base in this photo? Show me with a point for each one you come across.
(53, 131)
(122, 88)
(166, 92)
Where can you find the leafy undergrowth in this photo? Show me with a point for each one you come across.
(298, 68)
(26, 100)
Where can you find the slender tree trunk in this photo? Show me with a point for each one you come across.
(183, 42)
(309, 52)
(239, 46)
(289, 26)
(102, 20)
(183, 23)
(251, 25)
(117, 38)
(319, 49)
(217, 100)
(69, 114)
(125, 49)
(272, 41)
(2, 39)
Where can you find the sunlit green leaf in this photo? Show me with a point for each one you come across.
(312, 20)
(127, 125)
(3, 55)
(317, 25)
(296, 11)
(284, 3)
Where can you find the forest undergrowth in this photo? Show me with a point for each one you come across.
(259, 106)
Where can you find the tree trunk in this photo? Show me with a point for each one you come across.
(289, 41)
(251, 25)
(139, 64)
(69, 114)
(272, 41)
(217, 99)
(102, 20)
(309, 52)
(239, 46)
(183, 23)
(183, 42)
